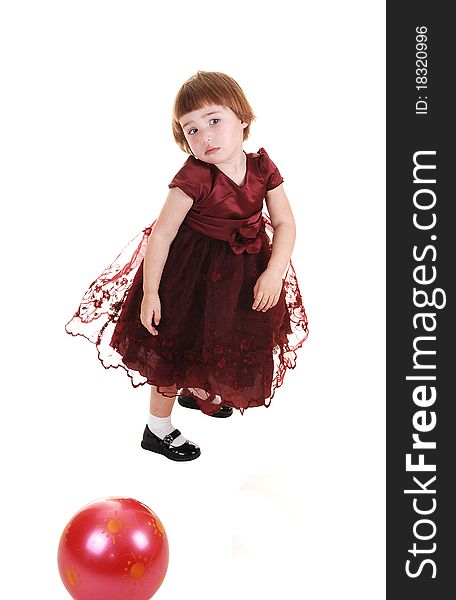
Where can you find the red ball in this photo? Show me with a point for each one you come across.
(113, 549)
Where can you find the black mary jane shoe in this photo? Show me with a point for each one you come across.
(190, 402)
(187, 451)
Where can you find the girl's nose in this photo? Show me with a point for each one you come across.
(207, 135)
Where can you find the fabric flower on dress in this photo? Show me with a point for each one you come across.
(246, 239)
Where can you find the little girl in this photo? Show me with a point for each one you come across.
(203, 301)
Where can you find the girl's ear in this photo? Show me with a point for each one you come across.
(244, 125)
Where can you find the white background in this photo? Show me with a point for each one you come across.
(283, 501)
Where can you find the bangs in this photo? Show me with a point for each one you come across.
(195, 97)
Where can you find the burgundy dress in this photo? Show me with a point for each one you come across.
(209, 337)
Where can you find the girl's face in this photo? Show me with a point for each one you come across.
(214, 133)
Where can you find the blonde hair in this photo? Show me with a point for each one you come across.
(209, 87)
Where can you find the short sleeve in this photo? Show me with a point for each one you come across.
(270, 172)
(194, 179)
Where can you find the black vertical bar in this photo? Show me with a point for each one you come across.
(421, 258)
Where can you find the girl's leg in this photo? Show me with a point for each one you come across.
(160, 434)
(160, 406)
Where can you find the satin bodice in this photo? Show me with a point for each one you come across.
(221, 208)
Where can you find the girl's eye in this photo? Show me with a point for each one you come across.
(213, 121)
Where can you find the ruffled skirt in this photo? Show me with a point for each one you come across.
(210, 340)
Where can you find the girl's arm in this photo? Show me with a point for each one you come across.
(269, 285)
(163, 233)
(284, 229)
(176, 206)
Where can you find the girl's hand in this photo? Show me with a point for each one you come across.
(151, 311)
(267, 290)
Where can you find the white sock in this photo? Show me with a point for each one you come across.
(162, 426)
(204, 394)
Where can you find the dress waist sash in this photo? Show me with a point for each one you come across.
(242, 234)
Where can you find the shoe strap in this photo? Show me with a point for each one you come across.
(169, 439)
